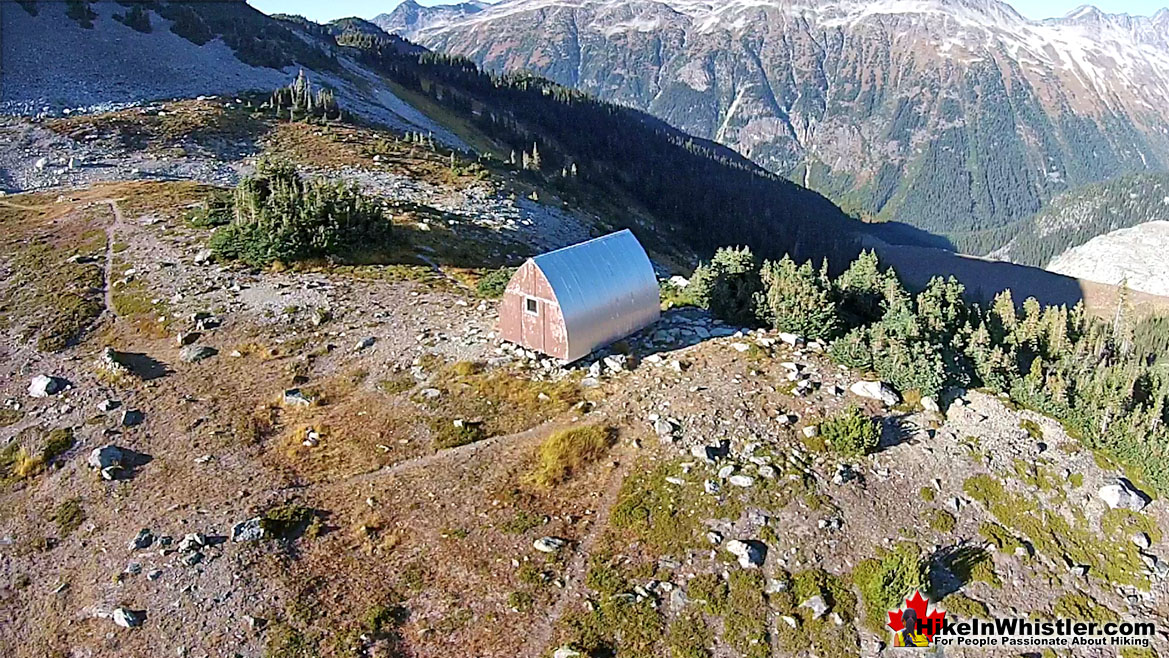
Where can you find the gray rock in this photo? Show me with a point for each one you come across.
(1142, 541)
(105, 457)
(817, 605)
(876, 391)
(549, 544)
(294, 397)
(1122, 495)
(664, 428)
(128, 618)
(742, 480)
(844, 474)
(250, 530)
(565, 652)
(706, 453)
(751, 554)
(364, 344)
(930, 404)
(791, 339)
(42, 386)
(192, 541)
(108, 405)
(775, 586)
(616, 362)
(203, 256)
(143, 540)
(197, 353)
(132, 417)
(186, 338)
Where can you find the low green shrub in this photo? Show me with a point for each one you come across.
(886, 580)
(493, 284)
(280, 216)
(851, 432)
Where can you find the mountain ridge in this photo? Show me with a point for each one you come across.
(953, 116)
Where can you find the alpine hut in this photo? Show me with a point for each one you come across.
(569, 302)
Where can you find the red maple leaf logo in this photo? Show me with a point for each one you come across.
(930, 620)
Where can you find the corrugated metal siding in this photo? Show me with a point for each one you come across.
(605, 288)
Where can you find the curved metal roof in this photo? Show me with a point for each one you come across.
(606, 289)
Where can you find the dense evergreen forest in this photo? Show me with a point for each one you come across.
(1076, 217)
(1107, 381)
(705, 194)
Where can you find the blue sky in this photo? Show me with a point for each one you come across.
(328, 10)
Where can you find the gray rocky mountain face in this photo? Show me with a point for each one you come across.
(956, 117)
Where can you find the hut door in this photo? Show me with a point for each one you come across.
(532, 325)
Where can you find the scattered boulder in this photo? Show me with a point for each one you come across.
(1123, 495)
(143, 540)
(791, 339)
(203, 256)
(112, 364)
(197, 353)
(132, 417)
(127, 618)
(616, 362)
(565, 652)
(250, 530)
(876, 391)
(664, 429)
(185, 338)
(42, 386)
(931, 405)
(106, 457)
(844, 474)
(1142, 541)
(811, 431)
(192, 542)
(364, 344)
(817, 605)
(742, 480)
(294, 397)
(751, 553)
(549, 544)
(108, 405)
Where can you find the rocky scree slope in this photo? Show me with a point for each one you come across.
(955, 117)
(55, 61)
